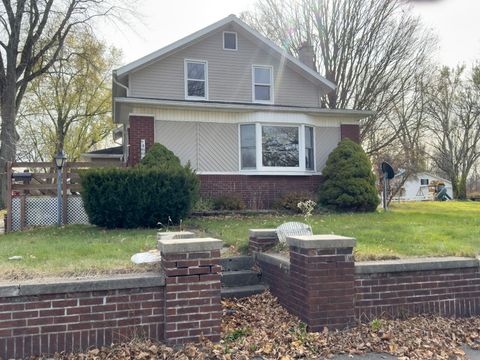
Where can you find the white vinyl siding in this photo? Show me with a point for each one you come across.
(229, 74)
(326, 139)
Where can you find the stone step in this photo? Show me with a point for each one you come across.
(242, 291)
(235, 263)
(240, 278)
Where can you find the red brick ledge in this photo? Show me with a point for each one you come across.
(62, 285)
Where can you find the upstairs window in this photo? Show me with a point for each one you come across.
(196, 74)
(423, 181)
(229, 40)
(262, 84)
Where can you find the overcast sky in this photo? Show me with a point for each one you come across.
(457, 23)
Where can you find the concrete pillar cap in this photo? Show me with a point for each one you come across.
(262, 232)
(175, 246)
(320, 241)
(174, 235)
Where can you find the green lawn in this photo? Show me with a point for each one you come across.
(408, 229)
(74, 250)
(414, 229)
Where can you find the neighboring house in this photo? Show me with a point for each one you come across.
(113, 155)
(422, 187)
(245, 114)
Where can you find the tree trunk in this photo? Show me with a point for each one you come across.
(8, 137)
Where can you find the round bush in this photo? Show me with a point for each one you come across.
(349, 183)
(158, 156)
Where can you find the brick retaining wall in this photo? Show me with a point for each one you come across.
(51, 317)
(321, 286)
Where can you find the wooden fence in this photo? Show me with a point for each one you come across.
(42, 181)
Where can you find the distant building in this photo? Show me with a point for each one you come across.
(422, 187)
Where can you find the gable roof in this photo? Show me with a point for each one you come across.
(307, 72)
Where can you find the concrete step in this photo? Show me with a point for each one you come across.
(243, 291)
(240, 278)
(235, 263)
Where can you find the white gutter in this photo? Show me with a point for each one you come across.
(357, 114)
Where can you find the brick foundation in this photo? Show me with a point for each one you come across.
(257, 191)
(45, 321)
(192, 289)
(141, 127)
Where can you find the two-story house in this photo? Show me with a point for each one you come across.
(246, 115)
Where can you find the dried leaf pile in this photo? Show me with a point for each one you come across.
(259, 328)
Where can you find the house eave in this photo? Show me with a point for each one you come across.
(241, 107)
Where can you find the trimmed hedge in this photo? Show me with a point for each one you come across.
(159, 189)
(136, 197)
(349, 183)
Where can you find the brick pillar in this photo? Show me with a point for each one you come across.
(141, 128)
(192, 289)
(350, 131)
(261, 240)
(322, 273)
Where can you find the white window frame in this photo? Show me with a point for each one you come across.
(260, 169)
(185, 76)
(223, 40)
(270, 67)
(314, 149)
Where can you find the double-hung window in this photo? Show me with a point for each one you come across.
(196, 80)
(262, 84)
(277, 148)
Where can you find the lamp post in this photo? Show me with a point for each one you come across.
(59, 163)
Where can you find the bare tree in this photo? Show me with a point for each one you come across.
(32, 34)
(370, 49)
(454, 124)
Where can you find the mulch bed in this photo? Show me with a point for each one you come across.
(259, 328)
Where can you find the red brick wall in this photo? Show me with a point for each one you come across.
(445, 292)
(350, 131)
(45, 324)
(141, 127)
(257, 191)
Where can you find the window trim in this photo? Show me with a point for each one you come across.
(185, 77)
(271, 101)
(313, 148)
(260, 169)
(236, 40)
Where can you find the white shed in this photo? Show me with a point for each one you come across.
(422, 186)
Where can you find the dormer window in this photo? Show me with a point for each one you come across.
(262, 91)
(196, 80)
(229, 40)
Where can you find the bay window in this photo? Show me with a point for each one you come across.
(277, 148)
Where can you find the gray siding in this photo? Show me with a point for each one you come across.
(229, 74)
(208, 146)
(326, 139)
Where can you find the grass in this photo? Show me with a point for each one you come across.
(409, 229)
(74, 250)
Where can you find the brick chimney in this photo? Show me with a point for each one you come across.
(306, 55)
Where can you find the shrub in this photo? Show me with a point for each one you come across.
(289, 201)
(159, 157)
(228, 202)
(136, 197)
(203, 204)
(349, 183)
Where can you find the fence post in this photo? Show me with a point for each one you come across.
(64, 195)
(8, 197)
(192, 308)
(322, 276)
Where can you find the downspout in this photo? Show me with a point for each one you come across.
(125, 136)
